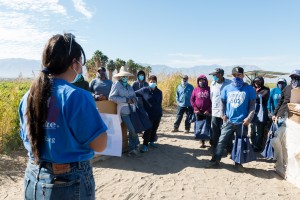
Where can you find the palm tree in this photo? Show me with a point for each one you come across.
(111, 68)
(119, 63)
(100, 59)
(91, 68)
(131, 67)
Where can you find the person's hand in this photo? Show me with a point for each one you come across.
(97, 97)
(102, 97)
(130, 101)
(196, 111)
(274, 118)
(246, 122)
(206, 113)
(224, 117)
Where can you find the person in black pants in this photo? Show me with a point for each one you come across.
(152, 102)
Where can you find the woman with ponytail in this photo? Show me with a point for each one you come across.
(60, 126)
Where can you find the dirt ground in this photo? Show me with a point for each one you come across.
(175, 170)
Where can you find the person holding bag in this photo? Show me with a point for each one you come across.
(237, 110)
(123, 95)
(152, 101)
(201, 103)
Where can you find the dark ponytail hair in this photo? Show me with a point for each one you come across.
(58, 55)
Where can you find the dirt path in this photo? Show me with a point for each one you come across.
(175, 170)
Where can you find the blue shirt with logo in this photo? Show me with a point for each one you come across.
(237, 102)
(72, 123)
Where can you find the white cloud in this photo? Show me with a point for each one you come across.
(34, 5)
(81, 7)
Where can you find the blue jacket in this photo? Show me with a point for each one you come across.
(183, 95)
(152, 101)
(275, 96)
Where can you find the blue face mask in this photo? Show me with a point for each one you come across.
(77, 77)
(152, 85)
(215, 78)
(238, 82)
(124, 80)
(141, 77)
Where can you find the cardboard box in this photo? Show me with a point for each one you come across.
(110, 107)
(294, 112)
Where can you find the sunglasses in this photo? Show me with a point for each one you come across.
(69, 37)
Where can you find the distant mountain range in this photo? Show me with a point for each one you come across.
(19, 67)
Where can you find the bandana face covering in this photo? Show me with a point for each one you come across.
(238, 82)
(296, 83)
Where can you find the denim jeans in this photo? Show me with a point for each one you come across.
(132, 136)
(180, 112)
(216, 124)
(41, 183)
(227, 132)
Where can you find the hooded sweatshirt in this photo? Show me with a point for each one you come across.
(265, 92)
(200, 98)
(140, 84)
(275, 96)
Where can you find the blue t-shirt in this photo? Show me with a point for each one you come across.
(72, 123)
(274, 98)
(237, 102)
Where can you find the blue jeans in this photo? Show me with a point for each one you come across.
(41, 183)
(227, 133)
(180, 111)
(216, 124)
(132, 136)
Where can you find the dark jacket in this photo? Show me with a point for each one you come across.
(140, 84)
(281, 108)
(152, 101)
(82, 84)
(265, 92)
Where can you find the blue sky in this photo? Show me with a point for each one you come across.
(177, 33)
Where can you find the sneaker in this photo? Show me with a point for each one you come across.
(143, 149)
(212, 160)
(213, 164)
(152, 144)
(175, 130)
(187, 131)
(133, 153)
(239, 167)
(202, 145)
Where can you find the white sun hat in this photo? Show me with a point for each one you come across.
(123, 72)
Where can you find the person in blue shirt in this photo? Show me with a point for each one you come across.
(152, 101)
(237, 111)
(275, 95)
(60, 126)
(183, 95)
(101, 85)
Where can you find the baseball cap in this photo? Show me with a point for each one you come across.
(238, 70)
(295, 73)
(101, 69)
(217, 71)
(185, 77)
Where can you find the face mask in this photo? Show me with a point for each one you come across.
(202, 84)
(238, 82)
(141, 77)
(215, 78)
(280, 86)
(152, 85)
(124, 80)
(295, 83)
(184, 82)
(77, 77)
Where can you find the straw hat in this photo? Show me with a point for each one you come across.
(123, 72)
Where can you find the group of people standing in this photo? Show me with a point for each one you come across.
(61, 127)
(231, 106)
